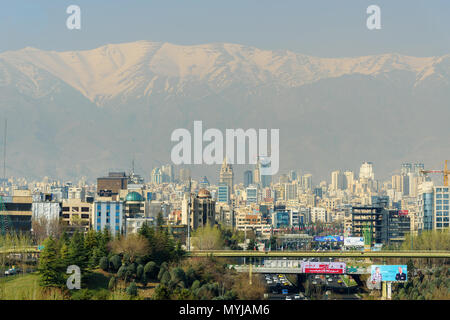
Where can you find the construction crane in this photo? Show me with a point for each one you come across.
(444, 172)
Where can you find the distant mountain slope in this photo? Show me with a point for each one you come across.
(84, 112)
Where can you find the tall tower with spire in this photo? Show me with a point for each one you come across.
(226, 174)
(257, 172)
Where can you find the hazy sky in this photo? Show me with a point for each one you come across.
(316, 27)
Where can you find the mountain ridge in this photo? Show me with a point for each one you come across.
(82, 113)
(140, 68)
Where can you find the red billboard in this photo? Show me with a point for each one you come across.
(403, 212)
(323, 267)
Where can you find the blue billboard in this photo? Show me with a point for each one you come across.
(380, 273)
(329, 238)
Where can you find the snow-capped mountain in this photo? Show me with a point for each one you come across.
(141, 68)
(85, 112)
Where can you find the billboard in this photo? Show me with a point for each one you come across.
(323, 267)
(329, 238)
(354, 241)
(380, 273)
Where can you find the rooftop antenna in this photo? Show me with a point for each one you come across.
(189, 217)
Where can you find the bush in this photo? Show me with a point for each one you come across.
(150, 270)
(165, 278)
(82, 294)
(103, 294)
(121, 272)
(112, 283)
(104, 264)
(139, 271)
(116, 262)
(132, 289)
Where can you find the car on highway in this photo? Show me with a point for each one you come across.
(10, 272)
(288, 298)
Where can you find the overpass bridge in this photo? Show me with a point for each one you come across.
(291, 270)
(320, 254)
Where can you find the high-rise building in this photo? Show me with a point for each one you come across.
(167, 173)
(203, 183)
(406, 168)
(383, 225)
(223, 193)
(252, 194)
(337, 180)
(157, 176)
(201, 211)
(425, 204)
(114, 182)
(248, 178)
(366, 171)
(441, 213)
(185, 175)
(290, 191)
(307, 183)
(348, 180)
(397, 183)
(257, 173)
(226, 175)
(266, 179)
(418, 167)
(109, 215)
(293, 175)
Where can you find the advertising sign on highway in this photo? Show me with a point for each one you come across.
(354, 241)
(329, 238)
(380, 273)
(323, 267)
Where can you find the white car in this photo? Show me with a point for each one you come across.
(288, 298)
(10, 272)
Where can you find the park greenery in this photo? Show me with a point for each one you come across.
(151, 264)
(431, 284)
(146, 265)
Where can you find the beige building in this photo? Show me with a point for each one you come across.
(77, 214)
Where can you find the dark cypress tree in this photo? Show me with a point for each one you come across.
(50, 266)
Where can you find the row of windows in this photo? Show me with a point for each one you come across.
(442, 225)
(99, 214)
(99, 229)
(442, 201)
(441, 189)
(108, 207)
(99, 221)
(440, 196)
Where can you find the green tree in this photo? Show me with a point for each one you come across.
(50, 267)
(132, 289)
(207, 238)
(139, 271)
(150, 270)
(112, 283)
(104, 263)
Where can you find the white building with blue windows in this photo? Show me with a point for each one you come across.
(110, 215)
(441, 208)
